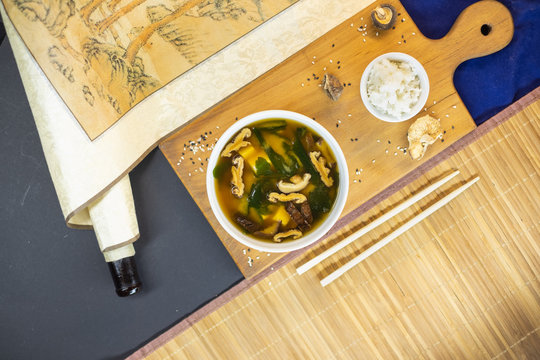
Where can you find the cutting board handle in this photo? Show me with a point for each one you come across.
(481, 29)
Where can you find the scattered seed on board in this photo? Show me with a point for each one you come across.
(454, 106)
(373, 161)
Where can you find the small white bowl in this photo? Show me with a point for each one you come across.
(321, 229)
(424, 87)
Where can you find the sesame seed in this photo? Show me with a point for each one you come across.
(454, 106)
(349, 115)
(447, 115)
(313, 62)
(373, 161)
(395, 154)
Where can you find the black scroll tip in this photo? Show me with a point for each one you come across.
(125, 276)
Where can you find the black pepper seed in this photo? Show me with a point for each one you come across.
(393, 27)
(442, 140)
(398, 14)
(402, 36)
(452, 127)
(193, 162)
(404, 41)
(444, 132)
(210, 132)
(339, 67)
(333, 45)
(339, 62)
(389, 142)
(236, 118)
(349, 84)
(337, 125)
(202, 163)
(355, 139)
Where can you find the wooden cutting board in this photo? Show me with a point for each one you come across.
(373, 148)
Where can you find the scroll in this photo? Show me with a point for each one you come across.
(107, 80)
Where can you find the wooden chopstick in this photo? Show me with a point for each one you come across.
(349, 239)
(409, 224)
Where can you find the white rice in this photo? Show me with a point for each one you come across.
(393, 87)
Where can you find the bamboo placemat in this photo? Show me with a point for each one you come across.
(461, 284)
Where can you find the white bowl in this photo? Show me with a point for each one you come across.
(321, 229)
(424, 87)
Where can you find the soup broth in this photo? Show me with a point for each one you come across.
(276, 180)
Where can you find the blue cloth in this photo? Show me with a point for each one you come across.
(488, 84)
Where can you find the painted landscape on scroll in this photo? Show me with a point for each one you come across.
(105, 56)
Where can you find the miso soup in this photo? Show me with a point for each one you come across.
(276, 179)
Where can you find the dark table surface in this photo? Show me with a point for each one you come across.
(57, 300)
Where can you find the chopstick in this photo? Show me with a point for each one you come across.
(349, 239)
(409, 224)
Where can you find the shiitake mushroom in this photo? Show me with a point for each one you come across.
(384, 16)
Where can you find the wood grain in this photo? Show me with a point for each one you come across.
(463, 284)
(374, 149)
